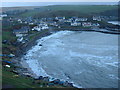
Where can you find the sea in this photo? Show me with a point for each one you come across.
(87, 59)
(114, 22)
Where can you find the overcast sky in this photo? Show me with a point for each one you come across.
(59, 0)
(15, 3)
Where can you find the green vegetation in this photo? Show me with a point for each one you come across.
(8, 47)
(9, 78)
(8, 35)
(10, 38)
(16, 81)
(30, 13)
(83, 8)
(55, 10)
(35, 34)
(104, 24)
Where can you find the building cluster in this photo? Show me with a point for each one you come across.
(40, 27)
(22, 32)
(46, 23)
(58, 21)
(83, 22)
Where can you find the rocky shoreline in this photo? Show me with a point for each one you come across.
(22, 71)
(27, 71)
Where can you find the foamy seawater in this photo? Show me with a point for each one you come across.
(114, 22)
(88, 59)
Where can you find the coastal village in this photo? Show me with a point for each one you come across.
(30, 28)
(47, 23)
(58, 23)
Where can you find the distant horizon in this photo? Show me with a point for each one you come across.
(23, 4)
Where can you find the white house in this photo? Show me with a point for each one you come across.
(37, 28)
(7, 66)
(31, 23)
(44, 27)
(95, 24)
(20, 39)
(60, 18)
(41, 26)
(3, 15)
(25, 22)
(86, 24)
(75, 24)
(19, 20)
(19, 35)
(53, 23)
(68, 20)
(97, 18)
(81, 19)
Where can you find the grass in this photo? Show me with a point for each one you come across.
(86, 9)
(83, 8)
(8, 47)
(30, 13)
(16, 82)
(7, 35)
(8, 78)
(35, 34)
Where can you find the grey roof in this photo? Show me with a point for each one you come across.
(22, 29)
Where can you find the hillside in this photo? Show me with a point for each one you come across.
(83, 8)
(70, 9)
(10, 46)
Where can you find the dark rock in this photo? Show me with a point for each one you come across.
(14, 72)
(40, 78)
(66, 83)
(61, 82)
(51, 84)
(4, 41)
(46, 79)
(56, 81)
(6, 86)
(70, 84)
(40, 45)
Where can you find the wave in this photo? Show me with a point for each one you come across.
(51, 50)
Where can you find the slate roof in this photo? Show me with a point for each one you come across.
(24, 29)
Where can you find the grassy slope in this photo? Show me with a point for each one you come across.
(87, 9)
(10, 80)
(6, 35)
(16, 82)
(83, 8)
(4, 9)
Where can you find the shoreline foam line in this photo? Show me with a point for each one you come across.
(38, 70)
